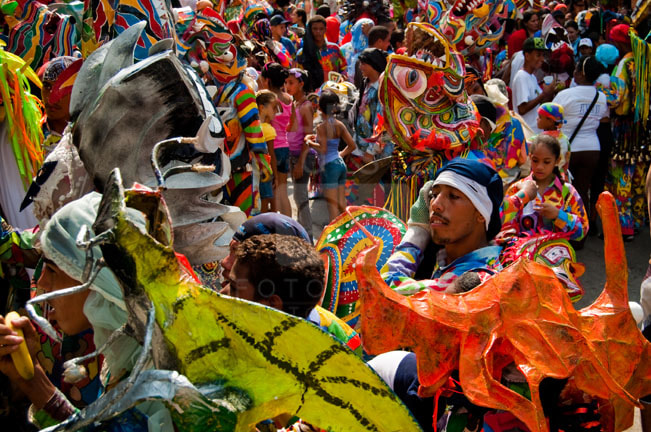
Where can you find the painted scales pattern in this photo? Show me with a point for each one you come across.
(342, 241)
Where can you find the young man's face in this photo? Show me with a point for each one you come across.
(239, 285)
(585, 51)
(384, 44)
(451, 214)
(318, 32)
(534, 58)
(277, 31)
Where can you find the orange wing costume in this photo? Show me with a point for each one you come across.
(523, 315)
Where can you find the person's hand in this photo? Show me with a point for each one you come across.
(297, 171)
(530, 188)
(419, 212)
(547, 210)
(310, 140)
(549, 90)
(202, 4)
(9, 342)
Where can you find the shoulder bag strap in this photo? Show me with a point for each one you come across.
(585, 116)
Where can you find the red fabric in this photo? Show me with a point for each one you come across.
(619, 33)
(233, 26)
(516, 41)
(562, 59)
(332, 30)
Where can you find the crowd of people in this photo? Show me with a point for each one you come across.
(475, 138)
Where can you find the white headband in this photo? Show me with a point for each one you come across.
(476, 193)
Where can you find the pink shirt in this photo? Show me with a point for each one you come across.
(280, 123)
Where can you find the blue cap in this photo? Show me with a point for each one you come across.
(485, 176)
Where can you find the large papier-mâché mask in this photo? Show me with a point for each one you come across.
(559, 255)
(472, 25)
(552, 250)
(154, 120)
(210, 40)
(423, 93)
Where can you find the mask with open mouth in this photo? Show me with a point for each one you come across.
(426, 106)
(154, 120)
(472, 25)
(211, 47)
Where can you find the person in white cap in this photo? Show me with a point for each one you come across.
(585, 47)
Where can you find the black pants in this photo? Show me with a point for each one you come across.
(584, 166)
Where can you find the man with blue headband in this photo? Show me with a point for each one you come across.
(446, 247)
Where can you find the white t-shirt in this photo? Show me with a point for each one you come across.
(575, 102)
(12, 190)
(517, 62)
(526, 88)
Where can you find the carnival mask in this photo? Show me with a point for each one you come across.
(473, 25)
(423, 93)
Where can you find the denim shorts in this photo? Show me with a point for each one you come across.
(282, 159)
(266, 189)
(334, 174)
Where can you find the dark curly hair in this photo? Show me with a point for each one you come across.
(275, 73)
(286, 266)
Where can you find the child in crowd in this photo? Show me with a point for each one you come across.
(328, 135)
(542, 201)
(273, 78)
(267, 101)
(550, 120)
(302, 159)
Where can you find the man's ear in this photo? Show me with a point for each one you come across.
(480, 218)
(274, 301)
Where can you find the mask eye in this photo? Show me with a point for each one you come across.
(411, 81)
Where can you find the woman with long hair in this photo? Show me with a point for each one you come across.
(318, 56)
(529, 27)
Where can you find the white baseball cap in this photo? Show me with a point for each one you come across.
(585, 42)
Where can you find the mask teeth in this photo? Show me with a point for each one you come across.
(429, 57)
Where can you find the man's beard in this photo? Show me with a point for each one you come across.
(439, 239)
